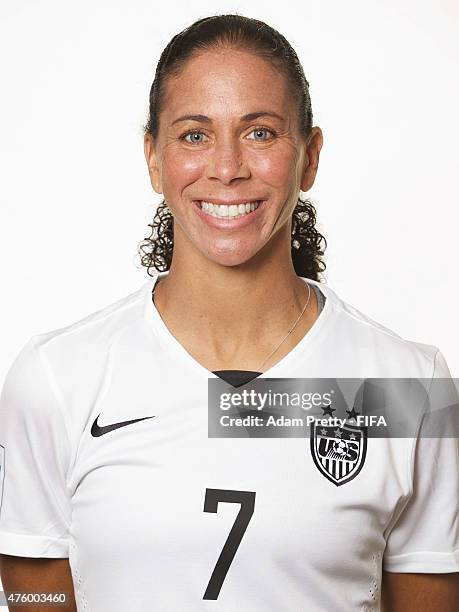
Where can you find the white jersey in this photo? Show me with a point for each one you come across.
(144, 509)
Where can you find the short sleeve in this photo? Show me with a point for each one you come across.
(35, 510)
(425, 537)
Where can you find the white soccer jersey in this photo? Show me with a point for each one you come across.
(143, 510)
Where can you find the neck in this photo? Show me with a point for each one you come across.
(238, 313)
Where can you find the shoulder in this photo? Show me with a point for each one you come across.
(95, 331)
(385, 350)
(64, 369)
(74, 357)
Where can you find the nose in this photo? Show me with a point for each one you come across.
(226, 162)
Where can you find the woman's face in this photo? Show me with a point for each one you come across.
(229, 142)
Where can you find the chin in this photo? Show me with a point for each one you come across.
(230, 258)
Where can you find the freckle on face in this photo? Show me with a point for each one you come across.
(225, 85)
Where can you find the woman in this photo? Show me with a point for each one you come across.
(104, 422)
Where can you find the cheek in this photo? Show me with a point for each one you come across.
(180, 169)
(276, 168)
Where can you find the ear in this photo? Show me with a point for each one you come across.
(152, 162)
(313, 146)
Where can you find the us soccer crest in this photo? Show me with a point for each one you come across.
(338, 451)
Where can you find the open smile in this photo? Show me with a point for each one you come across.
(229, 211)
(229, 214)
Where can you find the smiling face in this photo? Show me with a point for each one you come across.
(229, 157)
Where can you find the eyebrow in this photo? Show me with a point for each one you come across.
(248, 117)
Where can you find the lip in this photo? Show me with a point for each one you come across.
(228, 223)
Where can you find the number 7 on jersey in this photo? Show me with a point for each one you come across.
(247, 501)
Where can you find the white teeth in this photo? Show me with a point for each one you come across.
(231, 211)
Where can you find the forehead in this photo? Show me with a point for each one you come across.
(226, 81)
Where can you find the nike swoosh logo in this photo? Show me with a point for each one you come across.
(100, 430)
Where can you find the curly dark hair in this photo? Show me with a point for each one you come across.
(308, 245)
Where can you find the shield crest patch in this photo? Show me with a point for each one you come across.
(338, 452)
